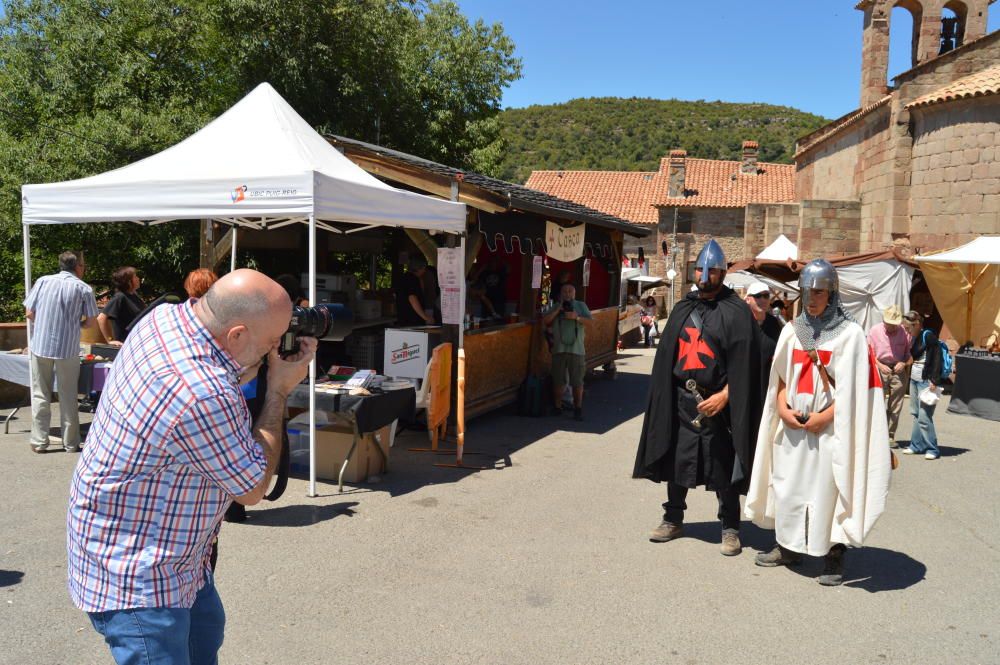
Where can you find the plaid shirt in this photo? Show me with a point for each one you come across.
(169, 447)
(59, 301)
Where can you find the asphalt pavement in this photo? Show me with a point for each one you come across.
(544, 558)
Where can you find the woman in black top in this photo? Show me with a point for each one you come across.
(924, 373)
(123, 306)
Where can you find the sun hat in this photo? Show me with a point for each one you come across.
(892, 315)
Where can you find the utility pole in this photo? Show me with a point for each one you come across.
(673, 259)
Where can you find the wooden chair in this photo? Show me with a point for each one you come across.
(434, 395)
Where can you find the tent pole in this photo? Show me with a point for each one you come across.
(232, 251)
(26, 248)
(460, 377)
(312, 363)
(969, 297)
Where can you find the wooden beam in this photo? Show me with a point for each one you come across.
(223, 248)
(431, 183)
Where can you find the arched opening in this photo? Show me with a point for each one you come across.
(904, 36)
(953, 21)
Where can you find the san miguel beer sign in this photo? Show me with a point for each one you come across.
(404, 353)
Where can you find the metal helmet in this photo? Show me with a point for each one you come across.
(819, 274)
(711, 256)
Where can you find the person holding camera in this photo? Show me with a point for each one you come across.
(170, 447)
(568, 350)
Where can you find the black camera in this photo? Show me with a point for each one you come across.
(328, 321)
(567, 305)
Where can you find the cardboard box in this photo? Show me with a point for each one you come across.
(333, 442)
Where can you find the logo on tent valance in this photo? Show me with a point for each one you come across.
(242, 192)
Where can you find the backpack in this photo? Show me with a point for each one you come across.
(947, 362)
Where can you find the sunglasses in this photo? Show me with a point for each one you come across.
(761, 296)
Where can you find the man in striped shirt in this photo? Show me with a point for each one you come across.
(170, 447)
(58, 306)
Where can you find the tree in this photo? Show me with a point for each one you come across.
(88, 85)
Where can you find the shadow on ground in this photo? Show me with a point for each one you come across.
(872, 569)
(946, 451)
(492, 439)
(10, 577)
(300, 515)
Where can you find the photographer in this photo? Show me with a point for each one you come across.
(568, 350)
(169, 448)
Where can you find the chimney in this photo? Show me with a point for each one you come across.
(749, 162)
(675, 174)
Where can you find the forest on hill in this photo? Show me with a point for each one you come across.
(615, 134)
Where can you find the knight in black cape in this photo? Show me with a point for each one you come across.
(712, 340)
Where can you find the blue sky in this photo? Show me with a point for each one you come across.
(800, 53)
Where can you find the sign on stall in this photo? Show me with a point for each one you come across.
(564, 244)
(536, 272)
(452, 283)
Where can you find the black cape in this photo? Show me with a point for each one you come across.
(741, 346)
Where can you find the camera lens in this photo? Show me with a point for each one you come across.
(324, 321)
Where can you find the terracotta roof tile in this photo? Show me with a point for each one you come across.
(714, 183)
(630, 195)
(980, 84)
(634, 195)
(812, 139)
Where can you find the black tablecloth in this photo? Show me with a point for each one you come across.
(370, 412)
(977, 387)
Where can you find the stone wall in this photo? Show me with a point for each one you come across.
(829, 229)
(725, 225)
(874, 160)
(764, 222)
(955, 177)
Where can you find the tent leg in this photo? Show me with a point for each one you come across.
(312, 364)
(232, 251)
(26, 248)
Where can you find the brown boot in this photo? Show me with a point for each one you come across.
(778, 556)
(731, 545)
(665, 532)
(833, 566)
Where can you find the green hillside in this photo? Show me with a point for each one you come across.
(614, 134)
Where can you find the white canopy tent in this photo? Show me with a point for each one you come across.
(258, 165)
(781, 249)
(965, 284)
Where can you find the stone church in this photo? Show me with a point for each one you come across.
(915, 166)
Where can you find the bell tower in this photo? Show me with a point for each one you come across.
(939, 26)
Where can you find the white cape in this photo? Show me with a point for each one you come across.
(818, 490)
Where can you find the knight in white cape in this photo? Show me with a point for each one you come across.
(822, 464)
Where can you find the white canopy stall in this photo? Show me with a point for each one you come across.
(258, 165)
(965, 283)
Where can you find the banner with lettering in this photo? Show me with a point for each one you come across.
(564, 244)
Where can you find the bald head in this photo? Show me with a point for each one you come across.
(247, 312)
(244, 296)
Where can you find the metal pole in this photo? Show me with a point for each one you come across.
(312, 364)
(26, 248)
(232, 251)
(673, 260)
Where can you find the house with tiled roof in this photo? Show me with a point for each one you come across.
(712, 199)
(919, 155)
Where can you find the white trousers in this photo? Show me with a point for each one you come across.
(67, 372)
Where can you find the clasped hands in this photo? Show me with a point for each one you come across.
(817, 422)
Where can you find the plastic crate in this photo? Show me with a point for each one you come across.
(366, 351)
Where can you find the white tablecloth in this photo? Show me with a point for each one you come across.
(14, 368)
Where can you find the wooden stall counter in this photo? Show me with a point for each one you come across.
(496, 364)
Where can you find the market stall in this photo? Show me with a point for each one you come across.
(259, 165)
(522, 242)
(965, 284)
(869, 283)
